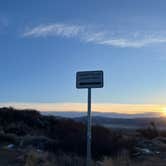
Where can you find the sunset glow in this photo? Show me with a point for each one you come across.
(156, 110)
(163, 111)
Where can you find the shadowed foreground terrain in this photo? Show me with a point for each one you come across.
(28, 138)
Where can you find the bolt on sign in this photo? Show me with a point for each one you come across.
(89, 79)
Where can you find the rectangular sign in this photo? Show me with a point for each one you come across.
(89, 79)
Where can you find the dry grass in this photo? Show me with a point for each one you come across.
(47, 159)
(122, 159)
(32, 159)
(126, 161)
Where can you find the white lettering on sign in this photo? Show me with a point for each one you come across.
(89, 79)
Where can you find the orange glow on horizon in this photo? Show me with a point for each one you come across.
(96, 107)
(164, 111)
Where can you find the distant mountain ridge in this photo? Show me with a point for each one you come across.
(115, 120)
(72, 114)
(125, 122)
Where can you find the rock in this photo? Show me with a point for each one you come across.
(160, 143)
(146, 147)
(162, 139)
(10, 146)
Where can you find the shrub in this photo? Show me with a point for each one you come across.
(150, 132)
(32, 159)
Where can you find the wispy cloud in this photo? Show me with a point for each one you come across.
(122, 42)
(53, 30)
(96, 36)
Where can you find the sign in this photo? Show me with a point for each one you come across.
(89, 79)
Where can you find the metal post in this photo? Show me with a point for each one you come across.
(88, 161)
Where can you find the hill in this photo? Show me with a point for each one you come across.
(28, 138)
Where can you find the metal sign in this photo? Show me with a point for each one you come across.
(89, 79)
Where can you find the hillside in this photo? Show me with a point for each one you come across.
(28, 137)
(28, 128)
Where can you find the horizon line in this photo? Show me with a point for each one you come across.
(129, 109)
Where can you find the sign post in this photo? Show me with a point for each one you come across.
(88, 160)
(89, 79)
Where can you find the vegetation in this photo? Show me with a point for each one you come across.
(29, 127)
(31, 139)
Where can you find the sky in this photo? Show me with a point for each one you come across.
(44, 43)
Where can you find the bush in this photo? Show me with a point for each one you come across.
(9, 138)
(150, 132)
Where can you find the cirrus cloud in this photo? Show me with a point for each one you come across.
(100, 37)
(53, 30)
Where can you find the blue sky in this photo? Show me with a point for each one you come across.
(43, 44)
